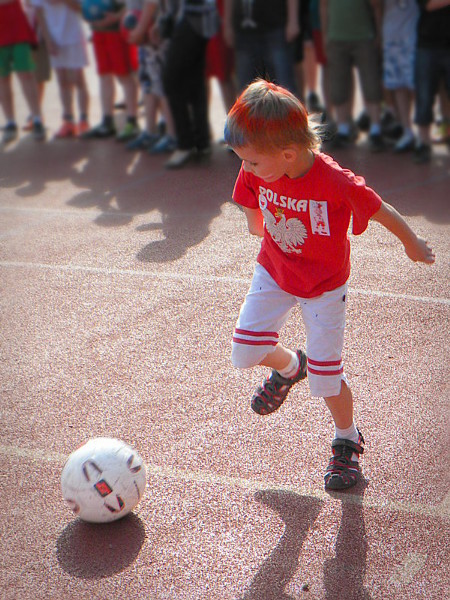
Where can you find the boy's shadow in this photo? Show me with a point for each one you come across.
(298, 514)
(94, 551)
(344, 574)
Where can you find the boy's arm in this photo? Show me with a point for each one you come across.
(416, 248)
(255, 221)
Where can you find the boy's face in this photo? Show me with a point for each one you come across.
(269, 166)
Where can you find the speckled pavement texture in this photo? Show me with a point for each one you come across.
(120, 286)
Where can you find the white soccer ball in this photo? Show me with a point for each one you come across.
(103, 480)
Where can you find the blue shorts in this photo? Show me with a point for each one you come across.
(398, 64)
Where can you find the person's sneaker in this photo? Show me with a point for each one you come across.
(165, 144)
(442, 133)
(376, 143)
(269, 396)
(422, 154)
(343, 472)
(404, 144)
(129, 132)
(82, 128)
(103, 130)
(38, 131)
(67, 130)
(144, 141)
(363, 121)
(10, 133)
(179, 158)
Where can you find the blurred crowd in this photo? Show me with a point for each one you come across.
(163, 54)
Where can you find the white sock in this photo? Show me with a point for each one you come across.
(351, 433)
(291, 369)
(375, 129)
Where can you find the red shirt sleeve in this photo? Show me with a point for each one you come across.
(243, 192)
(363, 201)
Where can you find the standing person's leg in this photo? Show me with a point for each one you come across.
(65, 87)
(198, 97)
(368, 62)
(279, 56)
(177, 73)
(427, 77)
(83, 99)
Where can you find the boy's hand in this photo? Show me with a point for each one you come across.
(416, 248)
(420, 251)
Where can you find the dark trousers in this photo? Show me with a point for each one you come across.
(185, 87)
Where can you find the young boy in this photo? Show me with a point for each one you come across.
(115, 58)
(61, 26)
(300, 202)
(16, 41)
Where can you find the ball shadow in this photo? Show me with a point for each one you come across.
(94, 551)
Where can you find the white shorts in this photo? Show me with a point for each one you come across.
(72, 56)
(266, 309)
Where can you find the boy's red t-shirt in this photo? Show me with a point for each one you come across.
(305, 246)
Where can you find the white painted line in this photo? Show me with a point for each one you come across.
(248, 485)
(413, 563)
(202, 279)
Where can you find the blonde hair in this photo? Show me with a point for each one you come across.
(269, 117)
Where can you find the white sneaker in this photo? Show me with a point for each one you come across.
(405, 143)
(179, 158)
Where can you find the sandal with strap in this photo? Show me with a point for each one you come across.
(342, 472)
(269, 396)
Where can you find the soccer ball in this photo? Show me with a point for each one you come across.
(103, 480)
(94, 10)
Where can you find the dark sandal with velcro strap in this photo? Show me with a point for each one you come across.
(343, 472)
(269, 396)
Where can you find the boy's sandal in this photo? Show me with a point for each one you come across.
(342, 472)
(269, 396)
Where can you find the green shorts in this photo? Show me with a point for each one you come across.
(16, 58)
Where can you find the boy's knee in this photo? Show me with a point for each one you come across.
(245, 357)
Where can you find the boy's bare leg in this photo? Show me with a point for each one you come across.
(278, 359)
(341, 407)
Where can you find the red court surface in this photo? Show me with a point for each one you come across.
(120, 286)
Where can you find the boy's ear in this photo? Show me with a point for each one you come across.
(290, 154)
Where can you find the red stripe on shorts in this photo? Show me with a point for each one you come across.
(326, 373)
(254, 342)
(324, 363)
(257, 333)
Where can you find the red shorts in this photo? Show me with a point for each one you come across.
(114, 56)
(318, 47)
(219, 58)
(14, 26)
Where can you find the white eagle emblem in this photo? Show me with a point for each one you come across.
(288, 234)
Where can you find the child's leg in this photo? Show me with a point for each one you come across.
(130, 90)
(6, 98)
(65, 85)
(107, 94)
(256, 341)
(79, 83)
(341, 407)
(30, 91)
